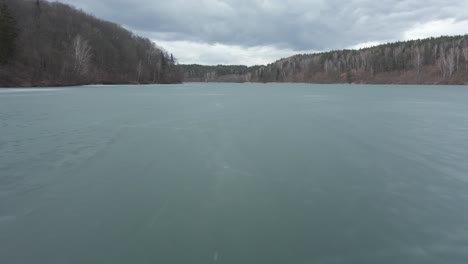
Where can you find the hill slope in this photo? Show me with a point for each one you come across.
(55, 44)
(442, 60)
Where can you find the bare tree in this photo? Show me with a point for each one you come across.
(450, 61)
(326, 66)
(418, 58)
(435, 53)
(364, 57)
(397, 56)
(457, 58)
(139, 69)
(465, 56)
(442, 62)
(82, 55)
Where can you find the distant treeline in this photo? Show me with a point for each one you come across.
(48, 43)
(219, 73)
(442, 60)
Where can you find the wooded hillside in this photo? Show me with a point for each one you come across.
(48, 43)
(442, 60)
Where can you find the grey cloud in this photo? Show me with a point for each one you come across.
(293, 24)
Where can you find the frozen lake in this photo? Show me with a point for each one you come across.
(234, 174)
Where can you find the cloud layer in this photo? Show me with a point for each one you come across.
(282, 26)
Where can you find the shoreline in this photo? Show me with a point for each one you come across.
(273, 83)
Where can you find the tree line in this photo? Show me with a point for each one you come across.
(218, 73)
(49, 43)
(442, 60)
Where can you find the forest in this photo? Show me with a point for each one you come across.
(46, 43)
(52, 44)
(218, 73)
(442, 60)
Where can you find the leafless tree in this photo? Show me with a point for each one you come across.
(442, 62)
(435, 52)
(450, 61)
(465, 56)
(139, 70)
(82, 55)
(418, 58)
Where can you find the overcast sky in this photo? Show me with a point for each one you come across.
(262, 31)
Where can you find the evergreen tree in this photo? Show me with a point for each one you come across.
(7, 33)
(172, 60)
